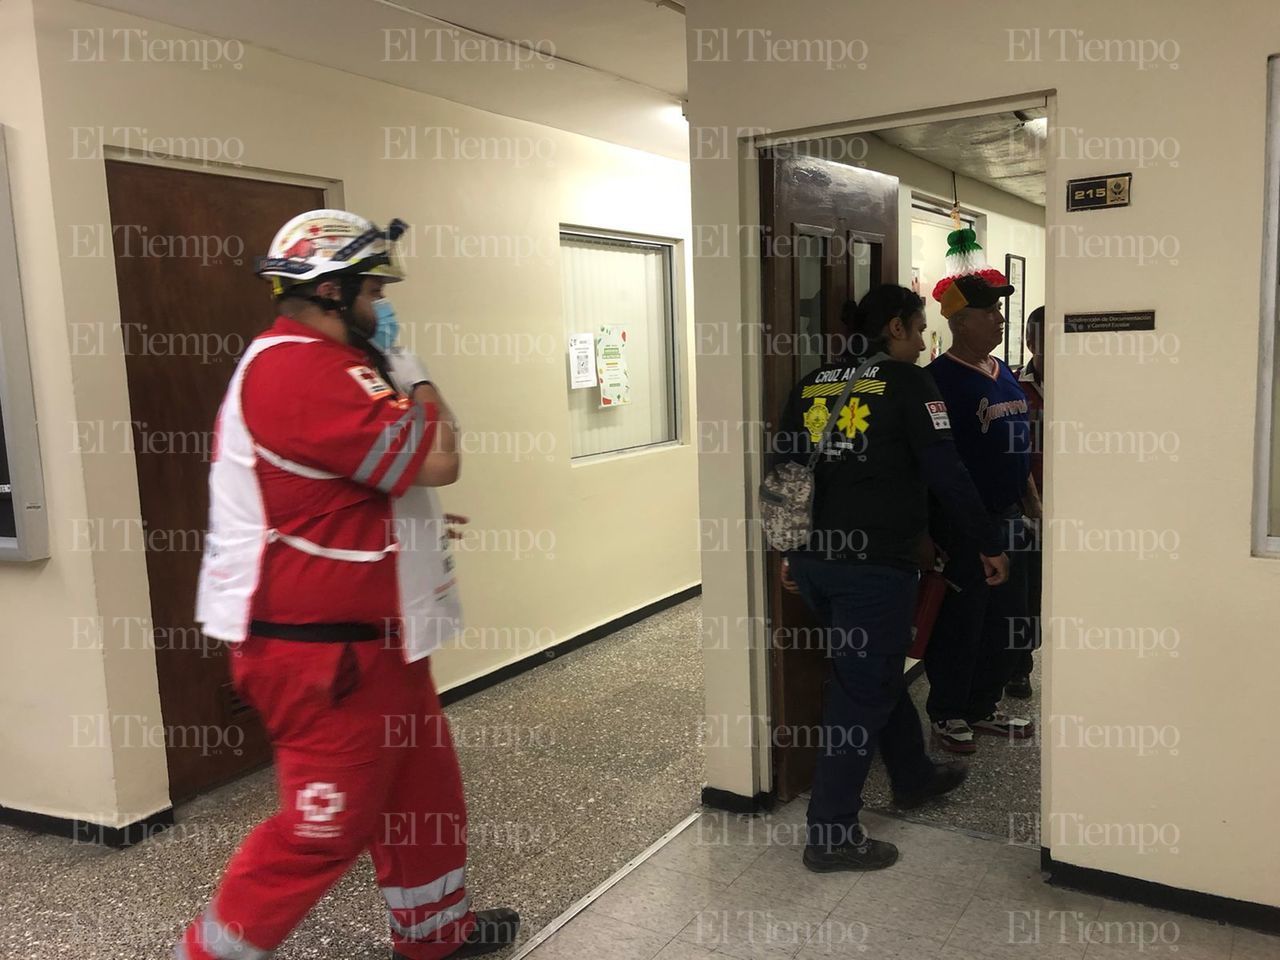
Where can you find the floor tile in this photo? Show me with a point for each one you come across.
(680, 950)
(917, 906)
(939, 854)
(1013, 880)
(780, 871)
(1012, 931)
(897, 884)
(600, 938)
(844, 940)
(751, 925)
(657, 899)
(714, 855)
(773, 829)
(1250, 945)
(1129, 930)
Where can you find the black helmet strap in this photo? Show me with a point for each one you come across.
(350, 285)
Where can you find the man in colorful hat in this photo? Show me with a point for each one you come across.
(968, 658)
(326, 573)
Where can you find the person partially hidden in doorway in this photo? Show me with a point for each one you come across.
(968, 660)
(1024, 643)
(889, 445)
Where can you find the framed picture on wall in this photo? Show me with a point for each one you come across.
(1015, 309)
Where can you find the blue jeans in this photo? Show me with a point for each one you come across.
(867, 612)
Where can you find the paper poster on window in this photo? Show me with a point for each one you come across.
(611, 365)
(582, 360)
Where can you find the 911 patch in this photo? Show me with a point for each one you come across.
(370, 382)
(938, 412)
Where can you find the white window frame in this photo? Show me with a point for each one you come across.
(17, 396)
(670, 251)
(1264, 543)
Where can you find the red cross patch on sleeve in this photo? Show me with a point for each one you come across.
(370, 382)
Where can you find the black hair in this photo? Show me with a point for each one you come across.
(349, 284)
(878, 307)
(1036, 316)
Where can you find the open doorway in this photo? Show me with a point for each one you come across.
(909, 187)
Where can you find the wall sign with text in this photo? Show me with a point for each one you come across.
(1098, 193)
(1117, 321)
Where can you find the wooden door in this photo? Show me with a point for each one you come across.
(830, 234)
(185, 244)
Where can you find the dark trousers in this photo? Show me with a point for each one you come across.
(1026, 641)
(867, 612)
(972, 650)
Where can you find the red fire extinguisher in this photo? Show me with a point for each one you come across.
(929, 597)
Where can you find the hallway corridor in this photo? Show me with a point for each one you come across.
(574, 769)
(570, 771)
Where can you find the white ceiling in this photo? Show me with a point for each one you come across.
(611, 69)
(635, 39)
(999, 149)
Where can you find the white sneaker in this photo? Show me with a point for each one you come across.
(1002, 725)
(954, 735)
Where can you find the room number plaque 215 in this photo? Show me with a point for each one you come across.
(1097, 193)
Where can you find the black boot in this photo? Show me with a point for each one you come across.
(861, 854)
(494, 930)
(1019, 688)
(946, 777)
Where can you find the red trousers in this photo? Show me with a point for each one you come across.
(364, 761)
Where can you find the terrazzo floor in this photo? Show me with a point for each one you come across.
(735, 887)
(571, 770)
(1001, 797)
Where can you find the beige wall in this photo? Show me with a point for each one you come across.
(554, 548)
(1201, 792)
(54, 682)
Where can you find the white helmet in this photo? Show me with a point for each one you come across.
(324, 242)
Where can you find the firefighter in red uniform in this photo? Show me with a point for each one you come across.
(324, 448)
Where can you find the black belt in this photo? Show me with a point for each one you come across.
(319, 632)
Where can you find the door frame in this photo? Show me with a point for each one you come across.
(750, 213)
(333, 192)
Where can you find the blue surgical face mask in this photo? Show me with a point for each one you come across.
(387, 330)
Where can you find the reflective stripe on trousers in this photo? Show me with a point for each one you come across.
(420, 931)
(221, 941)
(407, 898)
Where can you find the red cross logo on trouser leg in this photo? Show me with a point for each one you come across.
(320, 802)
